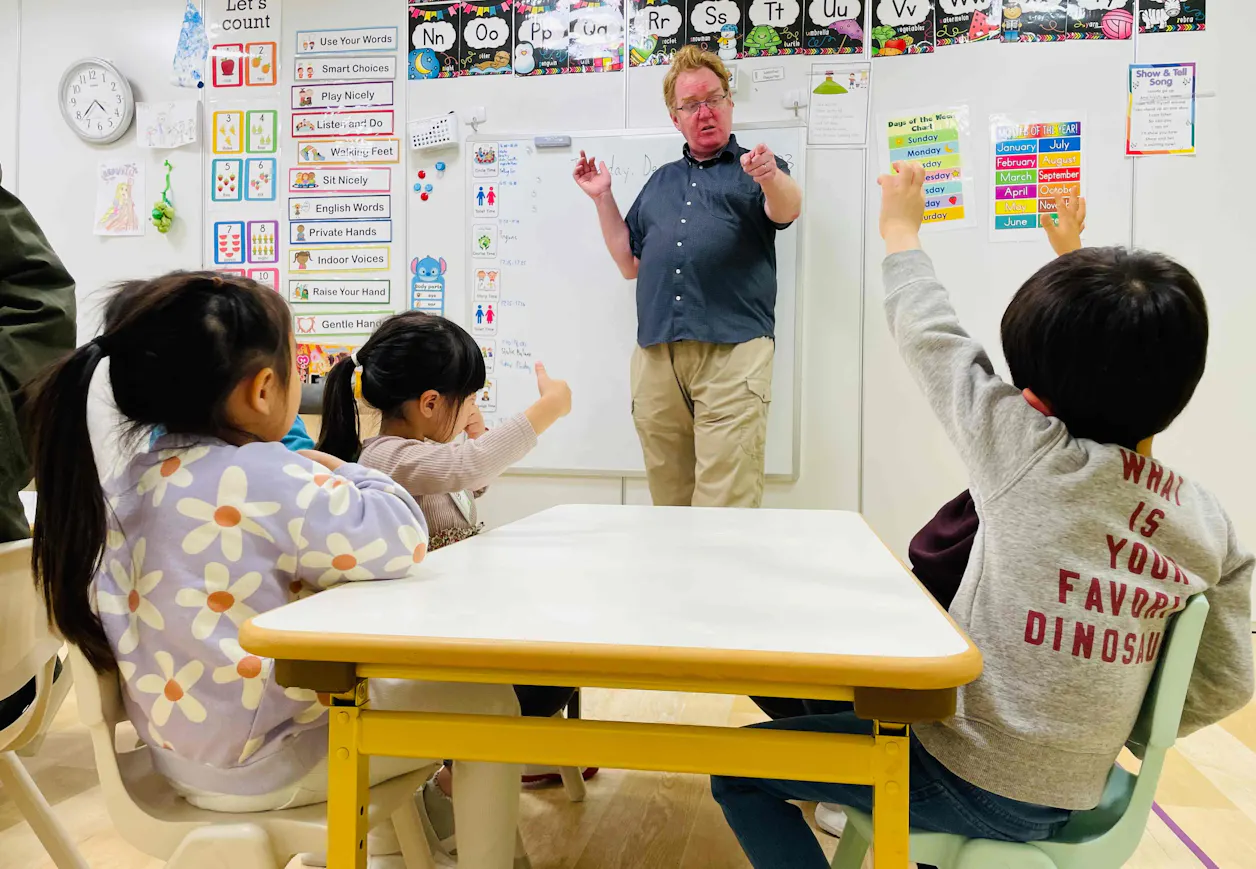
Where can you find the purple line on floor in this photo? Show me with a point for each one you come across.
(1181, 834)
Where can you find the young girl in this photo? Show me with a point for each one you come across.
(152, 577)
(422, 373)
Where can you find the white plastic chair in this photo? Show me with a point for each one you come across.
(28, 650)
(1104, 837)
(150, 815)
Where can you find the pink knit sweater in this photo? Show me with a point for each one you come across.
(447, 478)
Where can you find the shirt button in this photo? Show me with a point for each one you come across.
(682, 220)
(689, 203)
(679, 243)
(677, 271)
(678, 298)
(693, 183)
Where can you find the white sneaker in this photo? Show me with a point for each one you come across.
(830, 818)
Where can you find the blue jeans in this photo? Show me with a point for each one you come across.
(775, 835)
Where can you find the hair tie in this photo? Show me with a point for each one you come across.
(357, 374)
(104, 344)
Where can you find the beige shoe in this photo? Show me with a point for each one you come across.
(831, 818)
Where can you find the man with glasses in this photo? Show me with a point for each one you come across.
(700, 240)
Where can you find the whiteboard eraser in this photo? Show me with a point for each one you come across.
(552, 141)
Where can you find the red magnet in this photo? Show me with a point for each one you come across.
(422, 174)
(423, 196)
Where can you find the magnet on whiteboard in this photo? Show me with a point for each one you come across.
(422, 174)
(427, 188)
(418, 187)
(423, 196)
(440, 168)
(552, 141)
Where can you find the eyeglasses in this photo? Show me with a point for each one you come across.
(714, 104)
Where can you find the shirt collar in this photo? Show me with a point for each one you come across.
(729, 149)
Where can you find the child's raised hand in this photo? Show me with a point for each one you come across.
(1065, 231)
(902, 206)
(475, 424)
(557, 392)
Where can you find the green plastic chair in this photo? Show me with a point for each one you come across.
(1105, 836)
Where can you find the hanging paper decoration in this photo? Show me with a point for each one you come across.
(163, 212)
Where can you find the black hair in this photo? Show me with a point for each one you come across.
(408, 355)
(1113, 340)
(177, 347)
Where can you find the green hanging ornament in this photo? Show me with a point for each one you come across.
(163, 211)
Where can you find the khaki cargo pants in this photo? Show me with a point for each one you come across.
(701, 411)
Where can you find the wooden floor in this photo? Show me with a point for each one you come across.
(668, 821)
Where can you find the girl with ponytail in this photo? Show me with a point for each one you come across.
(423, 374)
(152, 574)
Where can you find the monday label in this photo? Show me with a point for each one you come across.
(313, 151)
(339, 259)
(339, 180)
(333, 291)
(339, 231)
(342, 95)
(327, 207)
(351, 39)
(353, 122)
(340, 68)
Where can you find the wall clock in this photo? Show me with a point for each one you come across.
(96, 100)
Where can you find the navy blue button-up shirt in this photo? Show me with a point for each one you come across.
(707, 250)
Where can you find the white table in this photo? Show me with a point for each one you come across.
(777, 603)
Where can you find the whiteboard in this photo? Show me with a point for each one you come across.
(564, 303)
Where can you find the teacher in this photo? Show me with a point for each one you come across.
(700, 240)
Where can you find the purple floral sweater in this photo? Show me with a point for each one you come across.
(206, 535)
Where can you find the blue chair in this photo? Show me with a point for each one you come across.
(1107, 835)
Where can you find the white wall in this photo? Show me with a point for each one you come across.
(1190, 208)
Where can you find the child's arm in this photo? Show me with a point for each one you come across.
(425, 468)
(357, 525)
(995, 431)
(1221, 682)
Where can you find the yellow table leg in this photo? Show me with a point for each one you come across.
(348, 782)
(890, 798)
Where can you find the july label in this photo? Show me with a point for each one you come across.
(316, 151)
(339, 231)
(356, 122)
(343, 41)
(338, 259)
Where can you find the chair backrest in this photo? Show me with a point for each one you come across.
(1157, 725)
(28, 647)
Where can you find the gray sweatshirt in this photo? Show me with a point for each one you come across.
(1084, 552)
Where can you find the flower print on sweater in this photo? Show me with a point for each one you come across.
(200, 561)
